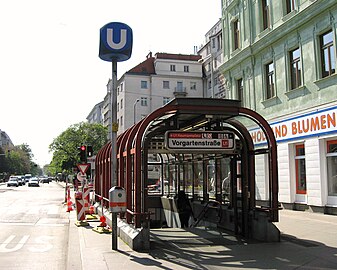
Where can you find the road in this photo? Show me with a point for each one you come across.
(34, 227)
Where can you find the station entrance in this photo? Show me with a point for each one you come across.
(201, 148)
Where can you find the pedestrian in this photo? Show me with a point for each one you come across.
(184, 208)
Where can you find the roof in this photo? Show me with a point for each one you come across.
(147, 67)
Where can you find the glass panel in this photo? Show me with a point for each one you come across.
(332, 60)
(301, 177)
(211, 180)
(327, 38)
(332, 175)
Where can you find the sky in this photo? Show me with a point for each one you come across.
(50, 73)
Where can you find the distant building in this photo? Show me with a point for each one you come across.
(279, 59)
(152, 84)
(95, 116)
(5, 140)
(212, 58)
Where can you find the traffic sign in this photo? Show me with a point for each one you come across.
(81, 177)
(115, 42)
(83, 167)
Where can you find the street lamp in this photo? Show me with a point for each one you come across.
(134, 110)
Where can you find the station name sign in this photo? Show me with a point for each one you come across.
(200, 141)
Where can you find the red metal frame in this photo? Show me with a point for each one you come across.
(130, 148)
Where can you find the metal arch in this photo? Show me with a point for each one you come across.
(120, 157)
(271, 140)
(128, 169)
(234, 111)
(136, 135)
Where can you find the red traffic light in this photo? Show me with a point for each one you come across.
(83, 148)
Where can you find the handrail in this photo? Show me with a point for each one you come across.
(205, 210)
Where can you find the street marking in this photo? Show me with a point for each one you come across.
(43, 241)
(3, 246)
(42, 244)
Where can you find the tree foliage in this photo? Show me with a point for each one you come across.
(17, 160)
(65, 146)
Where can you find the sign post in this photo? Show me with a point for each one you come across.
(115, 46)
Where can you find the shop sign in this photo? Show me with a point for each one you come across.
(316, 123)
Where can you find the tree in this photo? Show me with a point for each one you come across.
(65, 146)
(18, 160)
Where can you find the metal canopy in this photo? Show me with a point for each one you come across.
(187, 114)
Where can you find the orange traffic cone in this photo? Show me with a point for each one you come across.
(70, 206)
(102, 219)
(69, 202)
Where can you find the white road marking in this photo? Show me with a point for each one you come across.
(19, 245)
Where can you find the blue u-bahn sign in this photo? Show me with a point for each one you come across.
(115, 42)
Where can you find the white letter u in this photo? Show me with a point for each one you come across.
(3, 246)
(112, 44)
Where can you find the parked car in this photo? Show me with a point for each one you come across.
(33, 182)
(12, 182)
(44, 180)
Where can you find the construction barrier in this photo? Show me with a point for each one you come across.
(80, 209)
(69, 202)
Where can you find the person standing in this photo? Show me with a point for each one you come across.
(184, 208)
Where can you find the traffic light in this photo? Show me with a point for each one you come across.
(83, 153)
(90, 151)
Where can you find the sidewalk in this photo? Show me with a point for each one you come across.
(309, 241)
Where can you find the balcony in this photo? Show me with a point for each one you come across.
(180, 92)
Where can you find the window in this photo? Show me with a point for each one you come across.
(193, 85)
(186, 69)
(301, 182)
(327, 54)
(143, 101)
(143, 84)
(180, 87)
(121, 121)
(265, 14)
(270, 81)
(166, 100)
(173, 67)
(295, 68)
(236, 34)
(219, 40)
(166, 84)
(121, 103)
(331, 157)
(213, 43)
(290, 5)
(239, 86)
(122, 87)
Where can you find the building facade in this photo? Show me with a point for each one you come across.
(154, 82)
(212, 58)
(95, 116)
(5, 140)
(279, 59)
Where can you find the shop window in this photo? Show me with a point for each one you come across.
(332, 167)
(327, 54)
(301, 182)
